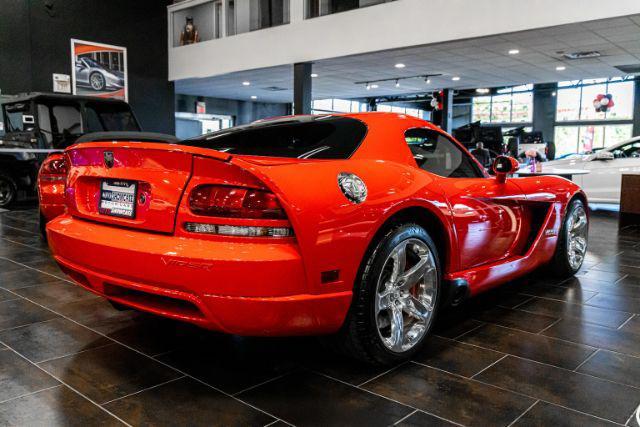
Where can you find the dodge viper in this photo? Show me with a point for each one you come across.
(359, 226)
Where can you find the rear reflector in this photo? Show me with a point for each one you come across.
(238, 230)
(235, 202)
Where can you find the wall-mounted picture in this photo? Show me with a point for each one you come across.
(99, 69)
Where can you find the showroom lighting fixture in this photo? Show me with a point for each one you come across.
(455, 79)
(246, 83)
(482, 90)
(314, 75)
(561, 68)
(373, 84)
(254, 97)
(514, 52)
(400, 65)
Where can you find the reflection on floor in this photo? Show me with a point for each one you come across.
(538, 352)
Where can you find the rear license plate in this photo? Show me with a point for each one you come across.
(118, 198)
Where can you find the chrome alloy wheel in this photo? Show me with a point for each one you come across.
(406, 295)
(577, 227)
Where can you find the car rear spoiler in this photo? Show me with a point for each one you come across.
(128, 136)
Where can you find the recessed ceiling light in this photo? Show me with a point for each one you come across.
(427, 80)
(455, 79)
(482, 90)
(254, 97)
(374, 86)
(514, 52)
(561, 68)
(368, 86)
(400, 65)
(314, 75)
(397, 83)
(246, 83)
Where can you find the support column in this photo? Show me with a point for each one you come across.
(444, 118)
(302, 88)
(544, 109)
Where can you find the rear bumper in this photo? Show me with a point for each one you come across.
(256, 288)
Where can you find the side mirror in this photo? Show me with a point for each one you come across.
(603, 155)
(503, 166)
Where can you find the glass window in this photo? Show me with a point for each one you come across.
(315, 8)
(584, 139)
(481, 109)
(107, 117)
(437, 154)
(575, 103)
(298, 137)
(268, 13)
(510, 105)
(568, 104)
(631, 150)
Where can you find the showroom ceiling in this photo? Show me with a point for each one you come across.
(481, 62)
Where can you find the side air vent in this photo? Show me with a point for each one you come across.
(629, 69)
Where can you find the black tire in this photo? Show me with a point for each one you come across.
(8, 191)
(561, 265)
(42, 226)
(97, 81)
(359, 336)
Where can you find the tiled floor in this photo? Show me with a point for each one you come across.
(536, 352)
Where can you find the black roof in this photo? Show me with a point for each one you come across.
(29, 96)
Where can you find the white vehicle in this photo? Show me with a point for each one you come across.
(606, 166)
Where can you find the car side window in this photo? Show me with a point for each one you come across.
(437, 154)
(628, 150)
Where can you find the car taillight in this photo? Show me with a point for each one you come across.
(235, 202)
(54, 168)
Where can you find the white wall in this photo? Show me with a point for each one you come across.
(386, 26)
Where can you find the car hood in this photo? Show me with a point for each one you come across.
(569, 162)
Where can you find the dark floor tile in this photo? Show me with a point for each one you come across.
(58, 406)
(6, 295)
(306, 398)
(344, 368)
(573, 390)
(7, 266)
(450, 396)
(458, 358)
(110, 372)
(47, 266)
(632, 325)
(632, 278)
(516, 319)
(54, 338)
(245, 362)
(558, 292)
(596, 336)
(614, 266)
(423, 419)
(454, 327)
(531, 346)
(19, 312)
(54, 294)
(599, 286)
(607, 276)
(546, 414)
(616, 302)
(24, 277)
(585, 313)
(615, 367)
(186, 402)
(100, 315)
(19, 377)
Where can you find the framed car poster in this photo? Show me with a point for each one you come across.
(99, 69)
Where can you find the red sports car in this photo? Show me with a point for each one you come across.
(359, 225)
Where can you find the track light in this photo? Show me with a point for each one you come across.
(368, 86)
(397, 83)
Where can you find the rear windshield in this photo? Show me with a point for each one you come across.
(309, 137)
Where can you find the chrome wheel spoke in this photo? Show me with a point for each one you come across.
(397, 328)
(406, 295)
(577, 227)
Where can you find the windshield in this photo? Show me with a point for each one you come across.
(308, 137)
(103, 117)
